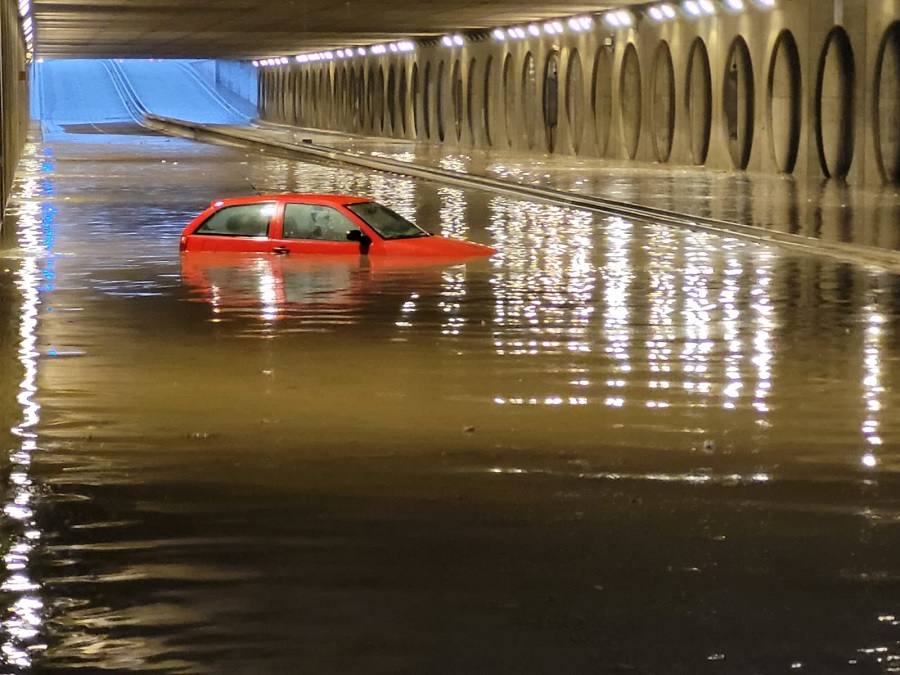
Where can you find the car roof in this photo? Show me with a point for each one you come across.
(304, 198)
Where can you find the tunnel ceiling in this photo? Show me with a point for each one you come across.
(251, 28)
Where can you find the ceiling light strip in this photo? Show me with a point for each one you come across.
(619, 19)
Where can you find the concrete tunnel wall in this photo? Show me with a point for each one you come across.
(809, 88)
(13, 96)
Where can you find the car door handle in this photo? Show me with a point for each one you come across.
(281, 250)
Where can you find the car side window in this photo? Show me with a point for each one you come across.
(251, 220)
(313, 221)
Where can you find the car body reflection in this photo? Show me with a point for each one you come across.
(276, 285)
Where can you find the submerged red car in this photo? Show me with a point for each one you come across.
(317, 224)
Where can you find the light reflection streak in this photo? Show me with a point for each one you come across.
(617, 315)
(691, 478)
(23, 615)
(453, 292)
(697, 312)
(731, 326)
(873, 387)
(454, 223)
(543, 288)
(452, 213)
(660, 269)
(764, 325)
(268, 291)
(457, 163)
(407, 309)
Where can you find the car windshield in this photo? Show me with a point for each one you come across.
(385, 222)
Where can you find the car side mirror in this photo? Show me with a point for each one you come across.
(362, 238)
(356, 235)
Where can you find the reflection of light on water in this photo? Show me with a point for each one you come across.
(398, 156)
(453, 291)
(452, 213)
(23, 615)
(692, 478)
(543, 288)
(268, 291)
(547, 400)
(396, 193)
(662, 308)
(616, 315)
(457, 163)
(764, 324)
(453, 224)
(407, 309)
(698, 308)
(731, 324)
(873, 345)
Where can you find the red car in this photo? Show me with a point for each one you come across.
(317, 224)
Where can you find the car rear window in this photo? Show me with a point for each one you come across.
(313, 221)
(251, 220)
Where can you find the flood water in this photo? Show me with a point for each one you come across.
(614, 447)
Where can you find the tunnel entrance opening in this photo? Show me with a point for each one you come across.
(551, 100)
(835, 85)
(630, 100)
(699, 101)
(662, 110)
(738, 98)
(574, 100)
(887, 106)
(784, 102)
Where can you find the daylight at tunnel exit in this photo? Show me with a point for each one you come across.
(495, 337)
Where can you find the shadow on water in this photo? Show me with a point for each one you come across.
(610, 436)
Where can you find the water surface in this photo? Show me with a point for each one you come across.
(614, 447)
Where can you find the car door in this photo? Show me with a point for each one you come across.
(242, 228)
(315, 229)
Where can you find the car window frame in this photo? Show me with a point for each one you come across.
(269, 225)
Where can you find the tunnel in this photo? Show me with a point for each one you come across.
(481, 337)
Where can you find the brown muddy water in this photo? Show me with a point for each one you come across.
(615, 447)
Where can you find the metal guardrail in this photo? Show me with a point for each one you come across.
(255, 137)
